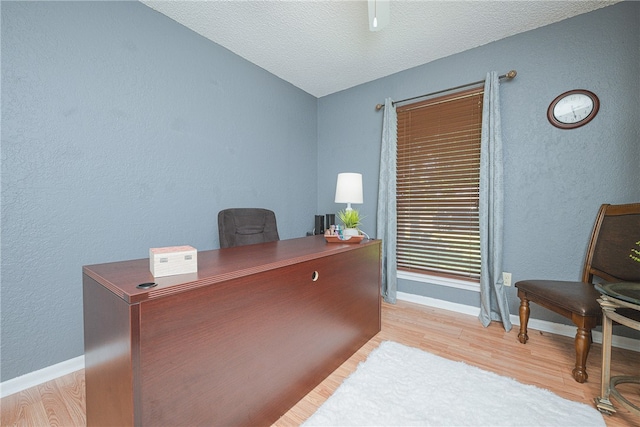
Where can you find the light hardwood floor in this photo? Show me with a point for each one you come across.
(545, 361)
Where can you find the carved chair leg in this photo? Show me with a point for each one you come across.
(582, 343)
(524, 320)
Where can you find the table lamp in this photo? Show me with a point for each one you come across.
(349, 189)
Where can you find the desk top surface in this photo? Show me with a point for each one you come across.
(214, 266)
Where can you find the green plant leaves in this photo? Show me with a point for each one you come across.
(350, 218)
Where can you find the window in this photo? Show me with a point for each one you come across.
(438, 179)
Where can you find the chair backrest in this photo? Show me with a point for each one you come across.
(246, 226)
(615, 237)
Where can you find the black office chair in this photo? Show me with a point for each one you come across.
(246, 226)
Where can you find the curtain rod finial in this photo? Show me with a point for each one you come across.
(379, 107)
(511, 74)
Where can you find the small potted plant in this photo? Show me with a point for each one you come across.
(351, 219)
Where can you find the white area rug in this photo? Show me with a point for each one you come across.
(404, 386)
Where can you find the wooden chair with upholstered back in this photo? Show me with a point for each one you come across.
(246, 226)
(609, 258)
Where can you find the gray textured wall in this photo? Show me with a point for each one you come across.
(555, 180)
(121, 131)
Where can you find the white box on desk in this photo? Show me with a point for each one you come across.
(172, 260)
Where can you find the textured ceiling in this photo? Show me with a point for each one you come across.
(323, 47)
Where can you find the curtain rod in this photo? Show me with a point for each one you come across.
(510, 75)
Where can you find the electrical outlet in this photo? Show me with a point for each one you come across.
(506, 278)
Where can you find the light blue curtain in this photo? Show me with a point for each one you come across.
(387, 219)
(493, 299)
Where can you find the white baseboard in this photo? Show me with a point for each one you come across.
(540, 325)
(40, 376)
(63, 368)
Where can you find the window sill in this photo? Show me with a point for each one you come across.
(441, 281)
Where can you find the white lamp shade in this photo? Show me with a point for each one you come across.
(349, 188)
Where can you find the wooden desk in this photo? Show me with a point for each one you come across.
(237, 343)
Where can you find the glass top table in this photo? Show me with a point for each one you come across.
(625, 291)
(614, 296)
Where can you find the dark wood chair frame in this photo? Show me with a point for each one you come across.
(588, 319)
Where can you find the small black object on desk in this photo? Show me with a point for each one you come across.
(146, 285)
